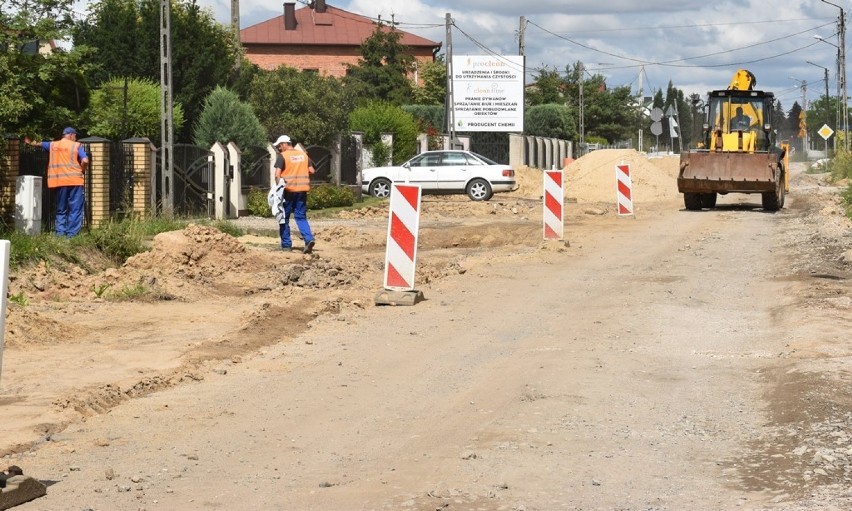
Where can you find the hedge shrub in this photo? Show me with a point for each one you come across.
(320, 197)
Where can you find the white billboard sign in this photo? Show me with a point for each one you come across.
(488, 93)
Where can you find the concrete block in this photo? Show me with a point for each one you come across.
(389, 297)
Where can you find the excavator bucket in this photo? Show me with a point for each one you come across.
(727, 171)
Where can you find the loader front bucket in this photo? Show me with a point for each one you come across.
(728, 171)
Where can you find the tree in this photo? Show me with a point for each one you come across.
(822, 111)
(40, 91)
(792, 125)
(383, 69)
(428, 117)
(607, 113)
(109, 119)
(779, 118)
(553, 121)
(310, 108)
(433, 91)
(227, 119)
(696, 127)
(675, 99)
(658, 101)
(126, 35)
(382, 117)
(548, 88)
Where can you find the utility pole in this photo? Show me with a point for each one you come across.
(805, 111)
(167, 158)
(581, 113)
(842, 38)
(235, 26)
(641, 106)
(841, 67)
(837, 126)
(449, 106)
(521, 47)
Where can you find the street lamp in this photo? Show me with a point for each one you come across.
(841, 68)
(840, 82)
(826, 104)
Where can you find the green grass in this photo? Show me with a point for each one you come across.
(847, 199)
(19, 298)
(840, 168)
(127, 293)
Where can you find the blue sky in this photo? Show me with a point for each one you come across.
(698, 45)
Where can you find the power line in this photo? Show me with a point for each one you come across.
(488, 50)
(699, 25)
(672, 63)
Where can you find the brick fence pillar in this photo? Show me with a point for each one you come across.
(10, 158)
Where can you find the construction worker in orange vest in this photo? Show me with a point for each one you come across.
(294, 166)
(65, 170)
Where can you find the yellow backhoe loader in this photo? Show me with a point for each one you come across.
(739, 153)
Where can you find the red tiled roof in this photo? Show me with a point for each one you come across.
(332, 27)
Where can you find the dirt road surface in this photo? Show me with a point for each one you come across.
(679, 360)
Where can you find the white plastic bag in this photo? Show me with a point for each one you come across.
(275, 199)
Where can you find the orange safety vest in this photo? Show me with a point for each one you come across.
(296, 174)
(63, 169)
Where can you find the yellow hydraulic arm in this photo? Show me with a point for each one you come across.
(743, 80)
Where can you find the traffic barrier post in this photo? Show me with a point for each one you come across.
(624, 190)
(554, 205)
(401, 250)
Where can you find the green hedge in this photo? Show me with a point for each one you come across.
(330, 196)
(320, 197)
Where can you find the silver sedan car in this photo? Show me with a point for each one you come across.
(443, 172)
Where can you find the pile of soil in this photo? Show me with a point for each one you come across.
(592, 177)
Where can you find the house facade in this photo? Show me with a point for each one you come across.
(319, 38)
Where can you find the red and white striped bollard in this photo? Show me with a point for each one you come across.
(554, 205)
(624, 190)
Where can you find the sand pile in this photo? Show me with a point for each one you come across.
(592, 177)
(195, 251)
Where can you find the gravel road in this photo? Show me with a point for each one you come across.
(679, 360)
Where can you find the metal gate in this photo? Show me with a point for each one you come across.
(491, 145)
(120, 180)
(254, 168)
(192, 189)
(321, 161)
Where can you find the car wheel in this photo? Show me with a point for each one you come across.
(479, 189)
(381, 188)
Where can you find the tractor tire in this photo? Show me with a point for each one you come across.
(773, 201)
(692, 201)
(708, 200)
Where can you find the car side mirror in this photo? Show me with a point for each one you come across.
(406, 165)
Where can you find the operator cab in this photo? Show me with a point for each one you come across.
(739, 121)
